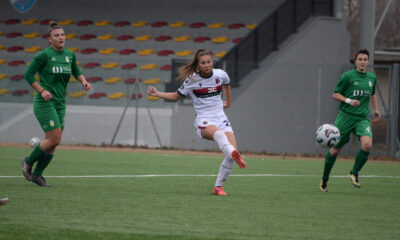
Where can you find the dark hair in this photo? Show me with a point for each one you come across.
(361, 51)
(52, 26)
(191, 67)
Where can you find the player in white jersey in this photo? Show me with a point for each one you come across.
(205, 85)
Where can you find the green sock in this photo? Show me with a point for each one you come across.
(35, 155)
(43, 162)
(329, 162)
(361, 159)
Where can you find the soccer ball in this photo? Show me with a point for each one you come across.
(34, 141)
(327, 135)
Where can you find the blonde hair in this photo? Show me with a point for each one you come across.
(191, 67)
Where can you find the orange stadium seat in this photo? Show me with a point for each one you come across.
(32, 49)
(96, 95)
(149, 66)
(107, 51)
(182, 39)
(4, 91)
(66, 22)
(140, 24)
(12, 21)
(1, 33)
(220, 54)
(251, 26)
(2, 47)
(121, 23)
(162, 38)
(91, 65)
(29, 21)
(124, 37)
(77, 94)
(13, 34)
(71, 35)
(177, 24)
(146, 52)
(143, 38)
(220, 39)
(74, 49)
(31, 35)
(153, 98)
(197, 25)
(110, 65)
(106, 37)
(216, 25)
(127, 51)
(184, 53)
(83, 23)
(20, 92)
(15, 49)
(159, 24)
(151, 81)
(103, 23)
(116, 95)
(3, 76)
(94, 79)
(129, 66)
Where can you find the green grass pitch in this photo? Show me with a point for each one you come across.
(166, 196)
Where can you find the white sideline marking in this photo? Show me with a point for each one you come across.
(199, 175)
(16, 118)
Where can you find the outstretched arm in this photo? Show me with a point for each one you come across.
(374, 103)
(170, 96)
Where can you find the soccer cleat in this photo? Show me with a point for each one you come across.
(40, 180)
(4, 201)
(354, 179)
(324, 185)
(238, 159)
(26, 169)
(219, 191)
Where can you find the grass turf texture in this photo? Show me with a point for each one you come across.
(182, 207)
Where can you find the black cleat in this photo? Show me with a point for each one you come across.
(324, 185)
(40, 180)
(26, 169)
(354, 179)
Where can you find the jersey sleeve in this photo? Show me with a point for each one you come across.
(342, 84)
(225, 78)
(37, 63)
(184, 89)
(74, 67)
(373, 88)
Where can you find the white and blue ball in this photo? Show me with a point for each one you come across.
(34, 142)
(328, 135)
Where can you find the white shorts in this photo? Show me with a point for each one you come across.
(221, 122)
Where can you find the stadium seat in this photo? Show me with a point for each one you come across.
(197, 25)
(77, 94)
(13, 34)
(116, 95)
(71, 35)
(143, 38)
(177, 24)
(91, 65)
(133, 96)
(182, 39)
(165, 52)
(20, 92)
(153, 98)
(113, 80)
(2, 61)
(220, 39)
(251, 26)
(127, 51)
(107, 51)
(130, 81)
(31, 35)
(12, 21)
(16, 63)
(88, 50)
(146, 52)
(201, 39)
(29, 21)
(106, 37)
(149, 66)
(74, 49)
(151, 81)
(45, 36)
(236, 40)
(159, 24)
(167, 67)
(96, 95)
(236, 26)
(124, 37)
(32, 49)
(2, 47)
(3, 76)
(129, 66)
(94, 79)
(46, 21)
(83, 23)
(66, 22)
(4, 91)
(220, 54)
(184, 53)
(162, 38)
(140, 24)
(87, 37)
(17, 77)
(121, 23)
(72, 79)
(1, 33)
(216, 25)
(15, 49)
(110, 65)
(103, 23)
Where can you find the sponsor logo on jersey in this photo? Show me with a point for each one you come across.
(23, 6)
(208, 92)
(355, 83)
(53, 59)
(67, 59)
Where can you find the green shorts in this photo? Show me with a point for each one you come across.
(347, 123)
(50, 114)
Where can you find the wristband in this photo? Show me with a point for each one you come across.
(41, 91)
(348, 100)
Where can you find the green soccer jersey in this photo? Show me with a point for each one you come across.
(356, 86)
(54, 68)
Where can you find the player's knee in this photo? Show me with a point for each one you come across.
(335, 151)
(366, 146)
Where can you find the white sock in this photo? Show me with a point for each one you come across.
(223, 143)
(224, 171)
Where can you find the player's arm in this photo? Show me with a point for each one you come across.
(227, 93)
(84, 83)
(170, 96)
(37, 63)
(374, 103)
(339, 97)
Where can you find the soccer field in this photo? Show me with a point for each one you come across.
(120, 195)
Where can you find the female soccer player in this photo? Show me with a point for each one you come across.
(354, 90)
(204, 84)
(55, 64)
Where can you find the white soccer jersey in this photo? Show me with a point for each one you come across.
(206, 92)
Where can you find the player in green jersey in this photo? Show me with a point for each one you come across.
(55, 65)
(354, 90)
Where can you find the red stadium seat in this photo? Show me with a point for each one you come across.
(84, 23)
(12, 21)
(124, 37)
(236, 40)
(15, 49)
(13, 34)
(46, 21)
(94, 79)
(89, 50)
(20, 92)
(87, 37)
(130, 81)
(167, 67)
(133, 96)
(162, 38)
(91, 65)
(201, 39)
(45, 36)
(197, 25)
(16, 63)
(121, 23)
(165, 52)
(129, 66)
(159, 24)
(236, 26)
(127, 51)
(96, 95)
(17, 77)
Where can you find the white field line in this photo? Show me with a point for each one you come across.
(200, 175)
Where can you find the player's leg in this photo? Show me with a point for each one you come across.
(212, 132)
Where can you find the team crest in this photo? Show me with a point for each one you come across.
(67, 59)
(370, 84)
(217, 81)
(51, 123)
(200, 84)
(22, 6)
(355, 83)
(205, 122)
